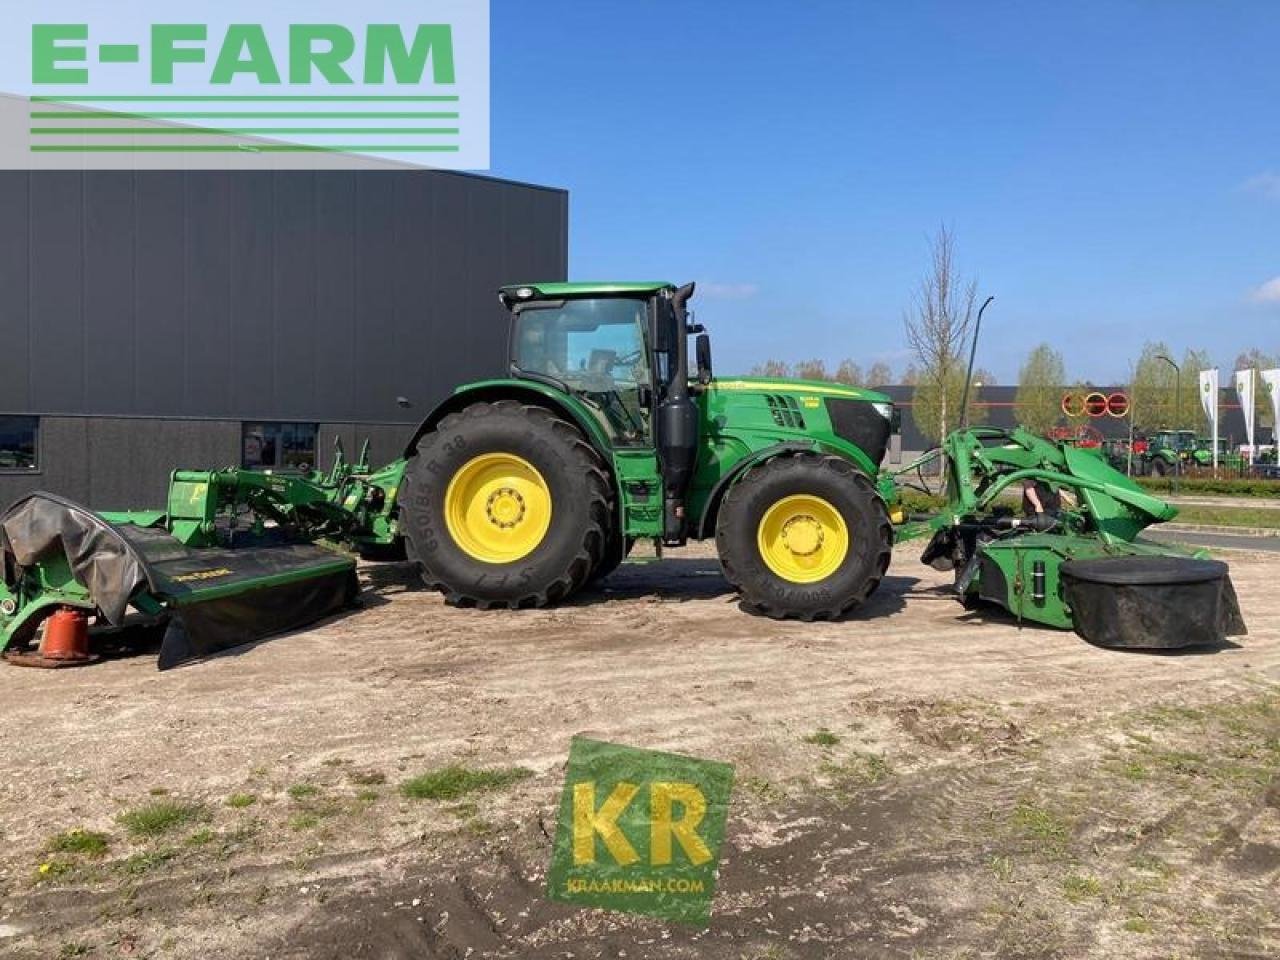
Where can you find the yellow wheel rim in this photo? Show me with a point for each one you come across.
(498, 508)
(803, 538)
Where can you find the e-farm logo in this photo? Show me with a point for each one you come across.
(404, 81)
(640, 831)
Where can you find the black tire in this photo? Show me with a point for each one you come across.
(581, 497)
(843, 486)
(617, 549)
(1159, 468)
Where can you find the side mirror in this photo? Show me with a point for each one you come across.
(702, 349)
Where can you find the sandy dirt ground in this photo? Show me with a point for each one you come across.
(915, 782)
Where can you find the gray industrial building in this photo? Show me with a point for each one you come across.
(150, 319)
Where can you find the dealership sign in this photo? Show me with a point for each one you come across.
(239, 84)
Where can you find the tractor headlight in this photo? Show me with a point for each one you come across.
(884, 409)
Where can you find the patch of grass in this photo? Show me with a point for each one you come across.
(1138, 925)
(1042, 825)
(238, 801)
(1076, 887)
(1182, 762)
(864, 768)
(53, 868)
(453, 781)
(201, 837)
(301, 791)
(161, 817)
(1133, 770)
(822, 737)
(86, 843)
(304, 821)
(147, 861)
(1229, 516)
(764, 790)
(1002, 867)
(73, 948)
(367, 798)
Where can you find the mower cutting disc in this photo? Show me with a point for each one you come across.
(1151, 602)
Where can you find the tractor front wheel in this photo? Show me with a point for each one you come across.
(804, 537)
(505, 506)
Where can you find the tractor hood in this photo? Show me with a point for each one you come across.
(785, 385)
(806, 410)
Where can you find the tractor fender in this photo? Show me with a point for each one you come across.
(523, 391)
(707, 522)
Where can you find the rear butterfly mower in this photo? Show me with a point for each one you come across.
(608, 429)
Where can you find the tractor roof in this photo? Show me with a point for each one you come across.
(556, 291)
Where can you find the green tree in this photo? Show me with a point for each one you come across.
(937, 328)
(1156, 390)
(1040, 384)
(931, 401)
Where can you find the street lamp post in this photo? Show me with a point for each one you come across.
(1177, 412)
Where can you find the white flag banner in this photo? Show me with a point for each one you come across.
(1209, 400)
(1271, 385)
(1245, 383)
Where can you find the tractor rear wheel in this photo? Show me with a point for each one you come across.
(804, 537)
(1159, 468)
(505, 506)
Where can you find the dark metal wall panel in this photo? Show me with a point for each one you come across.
(207, 298)
(267, 295)
(160, 330)
(109, 233)
(252, 265)
(55, 289)
(336, 329)
(206, 314)
(15, 326)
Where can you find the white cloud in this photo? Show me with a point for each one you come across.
(1269, 292)
(1265, 184)
(727, 291)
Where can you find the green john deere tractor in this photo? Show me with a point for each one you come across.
(519, 491)
(516, 492)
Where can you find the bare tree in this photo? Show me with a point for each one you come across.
(937, 326)
(771, 368)
(879, 375)
(814, 369)
(850, 373)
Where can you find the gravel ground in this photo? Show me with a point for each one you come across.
(985, 790)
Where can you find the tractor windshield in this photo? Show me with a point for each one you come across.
(596, 347)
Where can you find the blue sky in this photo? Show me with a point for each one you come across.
(1111, 170)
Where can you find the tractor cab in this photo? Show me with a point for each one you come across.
(622, 349)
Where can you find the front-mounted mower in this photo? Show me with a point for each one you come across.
(1081, 563)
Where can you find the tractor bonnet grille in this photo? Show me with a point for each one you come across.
(785, 410)
(858, 422)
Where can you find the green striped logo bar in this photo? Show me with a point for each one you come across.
(408, 82)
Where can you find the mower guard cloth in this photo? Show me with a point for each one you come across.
(221, 598)
(1151, 602)
(100, 558)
